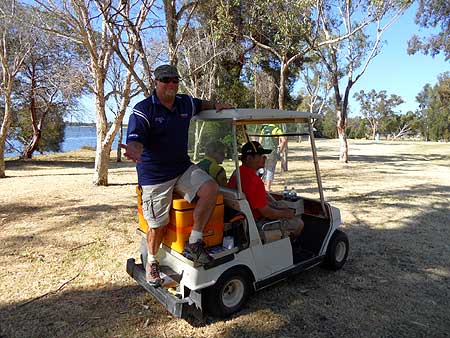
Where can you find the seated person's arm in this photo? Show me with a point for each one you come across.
(272, 213)
(221, 178)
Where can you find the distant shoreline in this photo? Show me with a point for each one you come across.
(85, 124)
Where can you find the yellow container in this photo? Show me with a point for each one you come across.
(181, 221)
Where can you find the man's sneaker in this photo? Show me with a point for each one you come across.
(152, 271)
(196, 252)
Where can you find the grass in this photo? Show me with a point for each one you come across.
(65, 244)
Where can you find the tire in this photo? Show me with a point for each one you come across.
(337, 251)
(229, 294)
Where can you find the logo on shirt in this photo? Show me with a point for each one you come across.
(184, 115)
(159, 119)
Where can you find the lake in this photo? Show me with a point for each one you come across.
(77, 137)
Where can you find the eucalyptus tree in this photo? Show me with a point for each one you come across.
(316, 86)
(377, 106)
(16, 43)
(279, 28)
(363, 23)
(49, 87)
(178, 15)
(434, 109)
(401, 125)
(198, 61)
(434, 14)
(86, 23)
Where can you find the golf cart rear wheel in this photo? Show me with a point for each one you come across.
(229, 294)
(337, 251)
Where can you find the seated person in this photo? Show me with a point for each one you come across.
(253, 158)
(214, 155)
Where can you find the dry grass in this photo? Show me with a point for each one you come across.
(64, 244)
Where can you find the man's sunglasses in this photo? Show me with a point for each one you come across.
(169, 79)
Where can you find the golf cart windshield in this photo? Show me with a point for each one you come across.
(234, 127)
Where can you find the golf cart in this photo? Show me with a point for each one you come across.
(247, 257)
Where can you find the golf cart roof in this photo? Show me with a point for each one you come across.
(255, 116)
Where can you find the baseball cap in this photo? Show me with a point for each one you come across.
(166, 71)
(253, 147)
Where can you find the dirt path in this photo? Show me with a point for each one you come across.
(64, 244)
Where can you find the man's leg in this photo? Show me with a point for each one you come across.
(157, 200)
(154, 239)
(195, 183)
(207, 195)
(269, 173)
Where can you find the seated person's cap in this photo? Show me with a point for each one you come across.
(253, 147)
(166, 71)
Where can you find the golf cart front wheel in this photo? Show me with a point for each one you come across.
(229, 294)
(337, 251)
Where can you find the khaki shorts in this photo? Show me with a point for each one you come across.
(157, 198)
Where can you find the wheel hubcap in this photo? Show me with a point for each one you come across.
(341, 249)
(233, 292)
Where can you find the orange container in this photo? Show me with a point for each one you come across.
(181, 221)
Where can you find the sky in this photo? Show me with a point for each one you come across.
(392, 70)
(397, 72)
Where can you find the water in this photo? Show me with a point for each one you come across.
(77, 137)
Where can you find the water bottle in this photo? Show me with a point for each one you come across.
(292, 195)
(285, 193)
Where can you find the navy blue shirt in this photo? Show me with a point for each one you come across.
(164, 134)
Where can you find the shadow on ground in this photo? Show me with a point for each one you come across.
(395, 284)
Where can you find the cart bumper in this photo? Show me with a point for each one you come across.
(180, 308)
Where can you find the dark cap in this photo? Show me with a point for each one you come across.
(166, 71)
(253, 147)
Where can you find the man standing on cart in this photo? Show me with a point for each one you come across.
(157, 140)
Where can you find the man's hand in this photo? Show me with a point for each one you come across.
(289, 213)
(133, 151)
(222, 106)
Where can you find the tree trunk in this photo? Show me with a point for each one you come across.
(4, 130)
(198, 136)
(105, 137)
(341, 129)
(171, 29)
(102, 153)
(33, 144)
(37, 130)
(119, 141)
(281, 101)
(343, 146)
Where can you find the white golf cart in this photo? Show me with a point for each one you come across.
(249, 258)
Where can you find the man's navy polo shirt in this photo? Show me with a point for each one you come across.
(164, 134)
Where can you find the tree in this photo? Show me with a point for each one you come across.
(347, 59)
(434, 109)
(173, 21)
(376, 106)
(49, 84)
(432, 14)
(16, 42)
(86, 23)
(199, 60)
(401, 125)
(279, 29)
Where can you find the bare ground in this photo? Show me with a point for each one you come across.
(64, 244)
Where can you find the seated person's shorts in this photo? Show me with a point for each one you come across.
(157, 198)
(287, 225)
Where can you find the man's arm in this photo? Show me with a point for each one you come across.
(133, 150)
(272, 213)
(207, 105)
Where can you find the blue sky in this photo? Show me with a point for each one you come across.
(397, 72)
(392, 70)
